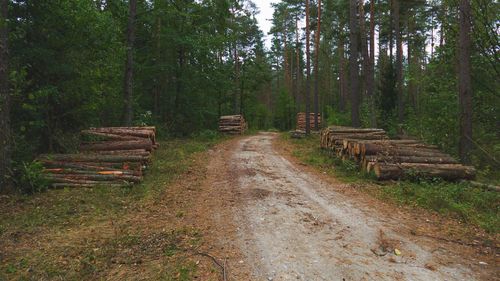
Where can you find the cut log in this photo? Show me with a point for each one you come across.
(140, 152)
(411, 159)
(88, 185)
(63, 171)
(445, 171)
(96, 177)
(93, 158)
(109, 135)
(370, 149)
(146, 144)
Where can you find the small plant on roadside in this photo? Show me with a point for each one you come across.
(31, 179)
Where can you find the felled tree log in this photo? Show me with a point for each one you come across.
(109, 135)
(81, 171)
(445, 171)
(140, 152)
(348, 130)
(88, 185)
(95, 177)
(370, 149)
(146, 144)
(411, 159)
(93, 158)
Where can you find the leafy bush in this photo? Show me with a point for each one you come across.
(30, 179)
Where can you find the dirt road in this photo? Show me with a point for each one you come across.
(289, 225)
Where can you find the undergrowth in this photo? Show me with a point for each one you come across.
(469, 204)
(58, 211)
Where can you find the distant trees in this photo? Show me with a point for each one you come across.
(5, 138)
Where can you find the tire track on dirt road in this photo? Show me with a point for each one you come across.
(292, 226)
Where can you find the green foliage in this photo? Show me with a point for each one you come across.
(338, 118)
(471, 205)
(31, 178)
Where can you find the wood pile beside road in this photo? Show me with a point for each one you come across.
(111, 156)
(301, 121)
(232, 124)
(392, 159)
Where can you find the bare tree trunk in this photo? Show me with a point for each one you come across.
(5, 138)
(308, 70)
(129, 65)
(391, 37)
(371, 78)
(157, 86)
(366, 65)
(342, 74)
(399, 62)
(297, 61)
(465, 88)
(237, 81)
(353, 64)
(285, 54)
(316, 69)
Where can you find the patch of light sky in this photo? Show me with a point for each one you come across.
(265, 16)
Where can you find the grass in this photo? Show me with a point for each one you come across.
(27, 219)
(470, 205)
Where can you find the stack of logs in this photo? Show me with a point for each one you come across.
(301, 121)
(232, 124)
(112, 156)
(392, 159)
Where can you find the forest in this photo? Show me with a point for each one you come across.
(427, 69)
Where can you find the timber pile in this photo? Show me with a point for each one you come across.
(232, 124)
(392, 159)
(301, 121)
(114, 156)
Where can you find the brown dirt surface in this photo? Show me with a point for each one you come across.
(263, 215)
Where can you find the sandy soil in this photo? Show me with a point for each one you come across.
(273, 220)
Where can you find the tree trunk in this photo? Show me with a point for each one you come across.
(367, 65)
(342, 74)
(129, 65)
(371, 78)
(308, 70)
(399, 61)
(316, 69)
(353, 63)
(465, 88)
(297, 68)
(5, 138)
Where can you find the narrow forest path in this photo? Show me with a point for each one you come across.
(276, 221)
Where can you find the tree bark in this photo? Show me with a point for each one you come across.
(465, 88)
(297, 61)
(146, 144)
(308, 72)
(316, 69)
(401, 170)
(129, 65)
(371, 78)
(5, 136)
(367, 65)
(342, 74)
(353, 63)
(399, 61)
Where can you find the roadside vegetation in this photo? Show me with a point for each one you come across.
(471, 205)
(83, 234)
